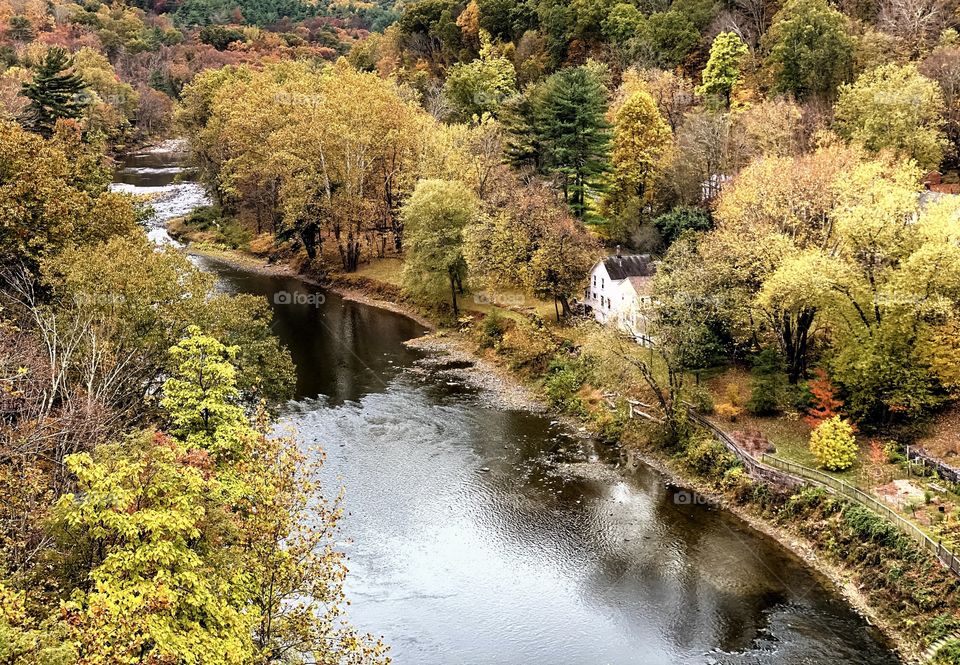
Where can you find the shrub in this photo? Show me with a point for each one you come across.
(678, 221)
(729, 412)
(949, 654)
(866, 525)
(834, 445)
(807, 499)
(565, 378)
(709, 457)
(492, 330)
(702, 400)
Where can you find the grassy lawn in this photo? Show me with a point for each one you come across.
(507, 303)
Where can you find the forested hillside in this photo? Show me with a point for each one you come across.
(790, 168)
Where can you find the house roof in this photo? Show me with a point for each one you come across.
(632, 265)
(642, 284)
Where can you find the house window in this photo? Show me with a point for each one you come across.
(608, 303)
(594, 295)
(601, 282)
(601, 301)
(594, 280)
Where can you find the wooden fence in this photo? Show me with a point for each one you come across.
(791, 474)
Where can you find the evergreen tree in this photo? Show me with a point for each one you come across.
(575, 134)
(20, 29)
(53, 93)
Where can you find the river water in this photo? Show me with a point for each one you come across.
(481, 536)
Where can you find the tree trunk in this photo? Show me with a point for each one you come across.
(453, 294)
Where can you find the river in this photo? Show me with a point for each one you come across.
(482, 536)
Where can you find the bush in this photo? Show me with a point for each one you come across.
(729, 412)
(492, 330)
(807, 499)
(564, 379)
(709, 457)
(702, 400)
(203, 218)
(834, 445)
(949, 654)
(866, 525)
(678, 221)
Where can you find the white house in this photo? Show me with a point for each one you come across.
(619, 293)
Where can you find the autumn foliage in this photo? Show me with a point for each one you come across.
(824, 401)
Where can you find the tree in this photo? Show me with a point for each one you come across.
(202, 398)
(943, 66)
(809, 50)
(894, 107)
(222, 555)
(479, 87)
(20, 29)
(570, 126)
(834, 445)
(53, 93)
(681, 220)
(136, 302)
(435, 217)
(53, 195)
(824, 402)
(622, 23)
(767, 383)
(722, 72)
(915, 22)
(669, 36)
(531, 244)
(640, 139)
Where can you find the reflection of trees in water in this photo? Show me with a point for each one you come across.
(341, 348)
(652, 566)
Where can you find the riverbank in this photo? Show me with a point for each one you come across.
(457, 352)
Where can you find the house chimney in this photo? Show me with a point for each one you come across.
(618, 250)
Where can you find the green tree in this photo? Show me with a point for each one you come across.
(435, 218)
(767, 383)
(20, 29)
(670, 36)
(531, 244)
(480, 86)
(809, 49)
(622, 23)
(571, 127)
(723, 72)
(54, 93)
(894, 107)
(202, 398)
(680, 220)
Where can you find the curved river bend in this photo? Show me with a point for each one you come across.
(480, 536)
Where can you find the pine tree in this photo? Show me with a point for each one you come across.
(575, 134)
(53, 93)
